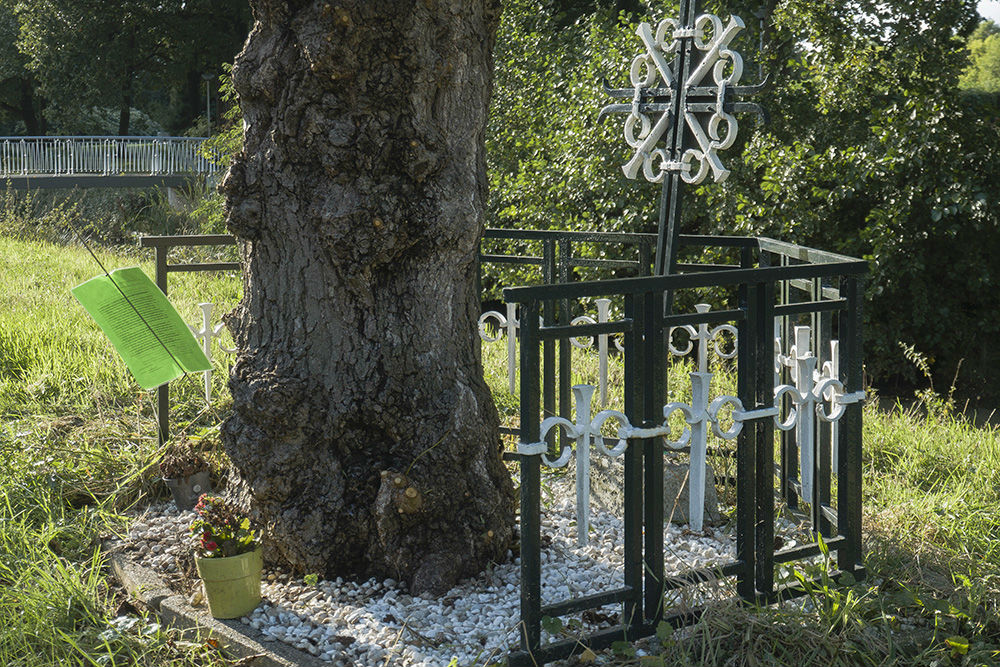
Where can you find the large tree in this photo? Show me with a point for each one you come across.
(19, 99)
(364, 436)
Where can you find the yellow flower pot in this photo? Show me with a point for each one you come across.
(232, 584)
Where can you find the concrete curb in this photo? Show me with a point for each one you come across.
(241, 641)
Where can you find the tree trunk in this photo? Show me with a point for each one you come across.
(363, 434)
(125, 111)
(34, 122)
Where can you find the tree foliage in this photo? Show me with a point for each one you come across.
(19, 100)
(983, 73)
(871, 151)
(96, 62)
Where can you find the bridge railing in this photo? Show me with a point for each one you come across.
(103, 156)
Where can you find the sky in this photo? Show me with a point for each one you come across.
(990, 9)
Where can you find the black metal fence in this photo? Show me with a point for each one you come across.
(811, 394)
(774, 283)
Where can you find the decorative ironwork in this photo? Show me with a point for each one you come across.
(205, 335)
(688, 75)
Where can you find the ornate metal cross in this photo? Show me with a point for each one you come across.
(694, 97)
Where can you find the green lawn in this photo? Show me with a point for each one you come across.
(78, 448)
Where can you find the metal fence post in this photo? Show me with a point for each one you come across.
(654, 379)
(531, 587)
(163, 391)
(849, 477)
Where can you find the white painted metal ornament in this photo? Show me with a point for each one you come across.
(205, 336)
(809, 399)
(652, 75)
(813, 390)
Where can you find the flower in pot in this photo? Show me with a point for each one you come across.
(185, 473)
(228, 557)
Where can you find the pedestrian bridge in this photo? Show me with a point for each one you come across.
(111, 162)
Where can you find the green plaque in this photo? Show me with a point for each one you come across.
(129, 308)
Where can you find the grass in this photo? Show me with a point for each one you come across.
(77, 448)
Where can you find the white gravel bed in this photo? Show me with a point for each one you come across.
(475, 623)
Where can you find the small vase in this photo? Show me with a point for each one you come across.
(232, 584)
(187, 490)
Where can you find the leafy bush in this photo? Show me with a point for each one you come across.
(872, 151)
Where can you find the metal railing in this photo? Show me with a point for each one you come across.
(102, 156)
(830, 289)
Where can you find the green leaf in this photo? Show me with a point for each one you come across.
(624, 649)
(552, 625)
(664, 631)
(959, 645)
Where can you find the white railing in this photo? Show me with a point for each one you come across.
(102, 156)
(811, 398)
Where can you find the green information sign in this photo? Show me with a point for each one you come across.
(129, 323)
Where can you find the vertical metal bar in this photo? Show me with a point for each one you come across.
(633, 469)
(764, 473)
(849, 478)
(747, 332)
(565, 349)
(548, 346)
(654, 371)
(789, 450)
(163, 391)
(531, 557)
(822, 474)
(645, 258)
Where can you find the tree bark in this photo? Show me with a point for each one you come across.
(363, 435)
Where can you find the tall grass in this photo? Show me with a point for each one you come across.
(77, 446)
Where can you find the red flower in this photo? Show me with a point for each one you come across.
(208, 545)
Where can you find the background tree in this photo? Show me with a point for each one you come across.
(363, 433)
(19, 100)
(95, 57)
(89, 53)
(983, 73)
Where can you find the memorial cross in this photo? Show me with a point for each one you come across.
(694, 96)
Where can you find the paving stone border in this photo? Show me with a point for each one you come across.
(240, 641)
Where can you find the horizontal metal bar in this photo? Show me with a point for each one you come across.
(617, 237)
(509, 430)
(796, 590)
(807, 286)
(555, 235)
(109, 137)
(707, 267)
(808, 550)
(580, 330)
(527, 260)
(566, 648)
(683, 281)
(702, 574)
(810, 307)
(601, 639)
(603, 263)
(589, 601)
(708, 241)
(829, 513)
(186, 240)
(206, 266)
(69, 181)
(711, 317)
(802, 253)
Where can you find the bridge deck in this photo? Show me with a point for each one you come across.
(44, 182)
